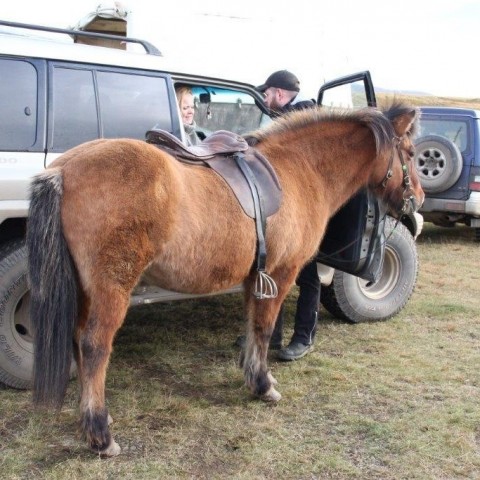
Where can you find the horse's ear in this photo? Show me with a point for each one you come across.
(404, 122)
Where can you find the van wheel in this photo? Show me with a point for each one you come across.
(438, 162)
(355, 300)
(16, 336)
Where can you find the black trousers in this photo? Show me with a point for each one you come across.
(307, 308)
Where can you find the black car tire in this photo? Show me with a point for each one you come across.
(438, 162)
(353, 299)
(16, 336)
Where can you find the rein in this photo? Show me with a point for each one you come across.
(358, 239)
(407, 195)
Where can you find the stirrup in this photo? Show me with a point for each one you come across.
(265, 286)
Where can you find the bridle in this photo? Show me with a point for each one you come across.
(407, 185)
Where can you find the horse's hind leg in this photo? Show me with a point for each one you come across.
(95, 338)
(261, 317)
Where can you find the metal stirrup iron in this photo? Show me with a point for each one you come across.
(265, 286)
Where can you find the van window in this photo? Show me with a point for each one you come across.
(132, 104)
(225, 109)
(89, 103)
(74, 111)
(18, 105)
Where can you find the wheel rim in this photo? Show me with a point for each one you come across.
(388, 279)
(22, 328)
(431, 163)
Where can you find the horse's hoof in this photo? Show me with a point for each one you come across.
(112, 450)
(109, 419)
(272, 379)
(271, 396)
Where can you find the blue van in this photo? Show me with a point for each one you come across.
(448, 162)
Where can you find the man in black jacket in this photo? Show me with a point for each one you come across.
(280, 91)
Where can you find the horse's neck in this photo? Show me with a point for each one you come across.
(332, 166)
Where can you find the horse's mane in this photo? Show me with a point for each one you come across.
(378, 121)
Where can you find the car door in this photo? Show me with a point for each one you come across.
(351, 91)
(354, 240)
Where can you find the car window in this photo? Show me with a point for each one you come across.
(351, 95)
(351, 91)
(339, 97)
(18, 105)
(132, 104)
(455, 130)
(224, 109)
(74, 112)
(88, 103)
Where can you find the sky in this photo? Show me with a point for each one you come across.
(427, 46)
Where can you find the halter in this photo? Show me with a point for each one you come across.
(407, 186)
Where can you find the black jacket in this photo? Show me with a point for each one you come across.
(290, 107)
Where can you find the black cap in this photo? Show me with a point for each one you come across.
(281, 79)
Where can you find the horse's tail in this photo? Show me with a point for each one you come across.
(54, 291)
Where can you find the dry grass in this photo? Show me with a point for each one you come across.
(391, 400)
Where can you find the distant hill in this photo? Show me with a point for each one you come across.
(359, 88)
(428, 100)
(421, 98)
(415, 93)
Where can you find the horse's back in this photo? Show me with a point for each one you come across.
(128, 203)
(111, 153)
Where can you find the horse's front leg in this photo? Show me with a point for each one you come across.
(261, 317)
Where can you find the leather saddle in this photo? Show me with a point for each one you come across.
(218, 152)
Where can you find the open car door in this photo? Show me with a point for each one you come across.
(355, 91)
(354, 241)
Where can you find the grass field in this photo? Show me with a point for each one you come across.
(389, 400)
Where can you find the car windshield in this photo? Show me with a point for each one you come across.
(455, 130)
(224, 109)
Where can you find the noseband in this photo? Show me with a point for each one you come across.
(407, 187)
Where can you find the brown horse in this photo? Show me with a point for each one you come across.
(110, 212)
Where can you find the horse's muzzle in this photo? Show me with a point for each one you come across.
(412, 204)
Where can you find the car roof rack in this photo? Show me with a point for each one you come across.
(149, 48)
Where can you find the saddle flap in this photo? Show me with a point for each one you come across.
(266, 180)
